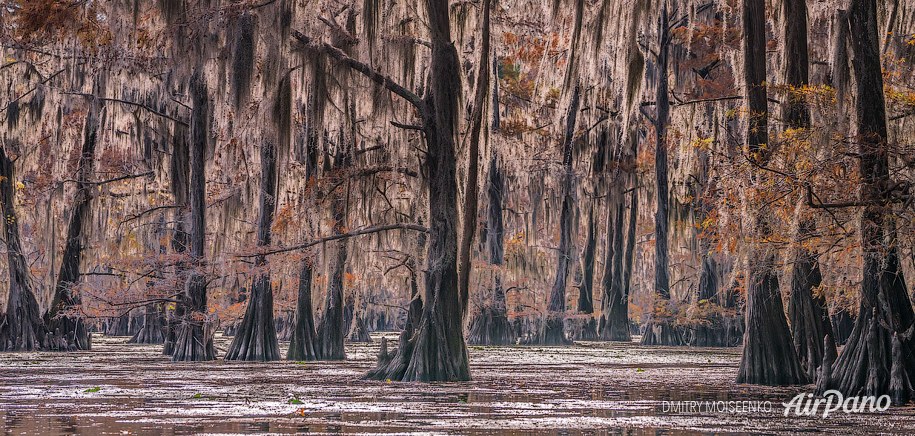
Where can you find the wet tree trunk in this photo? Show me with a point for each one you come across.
(490, 326)
(471, 193)
(180, 179)
(586, 289)
(439, 352)
(152, 331)
(21, 328)
(659, 330)
(332, 329)
(768, 355)
(255, 339)
(629, 256)
(194, 335)
(712, 329)
(807, 312)
(68, 331)
(614, 321)
(586, 329)
(552, 332)
(303, 345)
(879, 357)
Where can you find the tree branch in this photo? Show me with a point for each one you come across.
(361, 67)
(358, 232)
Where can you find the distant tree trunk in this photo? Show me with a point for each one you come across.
(659, 330)
(614, 321)
(256, 339)
(587, 328)
(711, 330)
(152, 330)
(878, 357)
(303, 345)
(68, 330)
(629, 259)
(439, 352)
(768, 355)
(490, 326)
(554, 325)
(179, 171)
(194, 337)
(21, 329)
(331, 329)
(471, 193)
(586, 290)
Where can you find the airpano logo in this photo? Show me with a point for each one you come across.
(833, 401)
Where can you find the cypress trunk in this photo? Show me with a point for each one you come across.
(153, 329)
(659, 330)
(194, 334)
(807, 312)
(471, 193)
(303, 345)
(68, 330)
(179, 169)
(332, 328)
(21, 328)
(768, 355)
(553, 329)
(614, 321)
(490, 325)
(439, 352)
(879, 357)
(256, 339)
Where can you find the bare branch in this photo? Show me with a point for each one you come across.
(367, 71)
(358, 232)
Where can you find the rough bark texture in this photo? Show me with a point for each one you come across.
(553, 328)
(879, 357)
(256, 339)
(807, 311)
(768, 355)
(21, 328)
(303, 345)
(194, 334)
(586, 288)
(659, 329)
(586, 329)
(712, 328)
(332, 329)
(439, 352)
(471, 193)
(490, 325)
(614, 320)
(179, 173)
(67, 329)
(153, 329)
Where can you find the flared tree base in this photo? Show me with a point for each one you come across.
(68, 334)
(614, 330)
(359, 332)
(153, 329)
(552, 332)
(712, 332)
(661, 332)
(875, 361)
(193, 343)
(490, 326)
